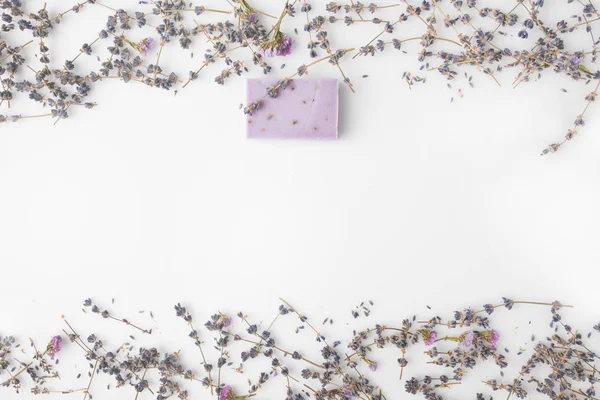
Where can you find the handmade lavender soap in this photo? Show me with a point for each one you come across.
(307, 108)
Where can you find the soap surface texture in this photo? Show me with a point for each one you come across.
(306, 109)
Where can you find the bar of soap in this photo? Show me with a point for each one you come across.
(306, 109)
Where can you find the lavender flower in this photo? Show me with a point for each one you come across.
(495, 337)
(492, 336)
(252, 18)
(226, 393)
(146, 46)
(54, 346)
(575, 60)
(280, 46)
(226, 321)
(429, 337)
(268, 52)
(285, 48)
(466, 339)
(372, 365)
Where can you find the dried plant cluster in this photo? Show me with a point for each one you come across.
(455, 34)
(562, 365)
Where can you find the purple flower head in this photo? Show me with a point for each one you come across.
(467, 339)
(226, 321)
(285, 47)
(494, 337)
(267, 52)
(280, 46)
(252, 18)
(54, 346)
(373, 365)
(146, 46)
(225, 393)
(429, 337)
(346, 393)
(575, 60)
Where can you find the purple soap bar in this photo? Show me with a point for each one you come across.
(307, 109)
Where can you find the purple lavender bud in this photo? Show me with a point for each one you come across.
(285, 47)
(467, 340)
(431, 339)
(146, 46)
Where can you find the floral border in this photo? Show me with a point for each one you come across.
(454, 347)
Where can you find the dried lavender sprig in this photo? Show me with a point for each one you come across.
(579, 121)
(15, 50)
(208, 61)
(298, 356)
(76, 8)
(201, 10)
(508, 304)
(92, 376)
(187, 317)
(127, 15)
(107, 315)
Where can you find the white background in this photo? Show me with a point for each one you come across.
(153, 199)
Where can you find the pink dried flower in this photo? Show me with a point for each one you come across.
(225, 393)
(54, 346)
(285, 47)
(491, 336)
(494, 337)
(430, 337)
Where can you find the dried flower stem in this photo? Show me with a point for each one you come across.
(503, 305)
(203, 10)
(199, 345)
(143, 377)
(19, 48)
(592, 97)
(285, 352)
(246, 7)
(77, 7)
(115, 10)
(208, 61)
(87, 390)
(25, 368)
(132, 325)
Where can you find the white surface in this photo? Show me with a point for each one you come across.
(154, 199)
